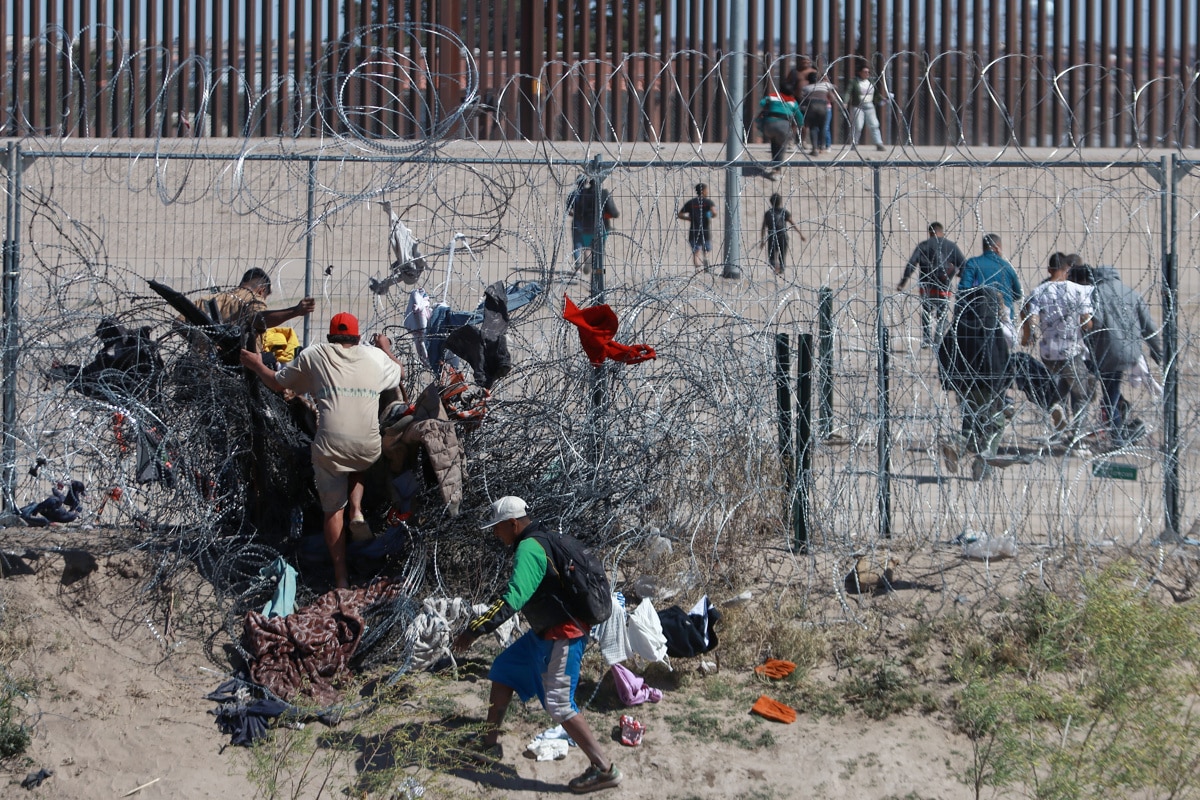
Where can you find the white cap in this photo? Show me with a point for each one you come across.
(503, 509)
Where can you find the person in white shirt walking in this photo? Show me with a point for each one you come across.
(1063, 311)
(861, 99)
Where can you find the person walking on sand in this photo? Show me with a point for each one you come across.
(992, 269)
(937, 259)
(591, 215)
(775, 235)
(699, 213)
(780, 121)
(544, 663)
(345, 380)
(1063, 313)
(816, 104)
(861, 99)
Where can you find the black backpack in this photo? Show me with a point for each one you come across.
(586, 595)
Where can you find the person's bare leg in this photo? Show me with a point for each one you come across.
(354, 506)
(335, 541)
(581, 732)
(498, 703)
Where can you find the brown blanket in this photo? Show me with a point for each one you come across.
(307, 651)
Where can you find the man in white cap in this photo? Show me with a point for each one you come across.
(545, 661)
(345, 380)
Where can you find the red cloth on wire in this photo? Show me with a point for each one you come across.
(597, 327)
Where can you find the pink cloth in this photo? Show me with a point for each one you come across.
(632, 689)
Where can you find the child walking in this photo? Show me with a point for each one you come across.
(774, 231)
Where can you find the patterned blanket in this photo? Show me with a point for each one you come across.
(308, 651)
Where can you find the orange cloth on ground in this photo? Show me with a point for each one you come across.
(776, 668)
(773, 709)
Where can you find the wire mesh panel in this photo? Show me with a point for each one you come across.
(686, 443)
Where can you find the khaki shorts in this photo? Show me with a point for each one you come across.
(333, 487)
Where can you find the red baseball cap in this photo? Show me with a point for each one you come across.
(344, 324)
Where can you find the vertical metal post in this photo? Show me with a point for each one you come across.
(783, 402)
(800, 494)
(599, 229)
(884, 443)
(734, 141)
(1170, 289)
(596, 171)
(308, 244)
(883, 436)
(12, 272)
(825, 343)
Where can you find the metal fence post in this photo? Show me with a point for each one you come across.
(11, 284)
(1172, 528)
(825, 343)
(783, 402)
(803, 483)
(308, 244)
(734, 138)
(599, 229)
(883, 435)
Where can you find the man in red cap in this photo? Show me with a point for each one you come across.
(345, 380)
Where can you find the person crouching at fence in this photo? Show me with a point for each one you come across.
(544, 663)
(345, 379)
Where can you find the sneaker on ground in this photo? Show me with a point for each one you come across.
(880, 148)
(593, 780)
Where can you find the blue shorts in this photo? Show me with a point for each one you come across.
(542, 668)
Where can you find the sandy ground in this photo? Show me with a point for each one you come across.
(120, 705)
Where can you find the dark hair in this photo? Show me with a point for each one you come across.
(776, 200)
(1080, 273)
(935, 227)
(990, 242)
(701, 187)
(341, 338)
(257, 275)
(791, 82)
(1056, 262)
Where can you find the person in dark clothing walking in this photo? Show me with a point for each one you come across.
(973, 362)
(699, 212)
(545, 661)
(774, 232)
(938, 260)
(1120, 323)
(590, 217)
